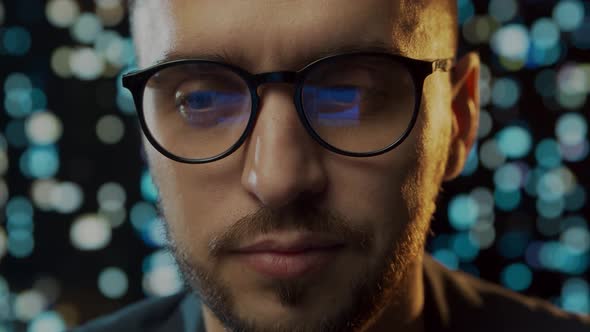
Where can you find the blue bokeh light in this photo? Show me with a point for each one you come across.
(18, 103)
(546, 56)
(141, 215)
(463, 212)
(569, 14)
(514, 141)
(558, 257)
(503, 10)
(517, 277)
(571, 129)
(40, 162)
(149, 191)
(576, 199)
(17, 81)
(16, 41)
(508, 177)
(551, 208)
(447, 257)
(153, 233)
(545, 33)
(472, 162)
(466, 10)
(548, 153)
(463, 247)
(575, 296)
(19, 205)
(505, 92)
(507, 200)
(20, 243)
(15, 134)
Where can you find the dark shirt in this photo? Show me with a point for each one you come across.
(454, 301)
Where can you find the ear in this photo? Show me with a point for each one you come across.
(465, 113)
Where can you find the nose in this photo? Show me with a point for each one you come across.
(282, 160)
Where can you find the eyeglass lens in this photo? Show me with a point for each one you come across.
(355, 104)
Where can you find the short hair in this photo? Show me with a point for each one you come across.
(451, 4)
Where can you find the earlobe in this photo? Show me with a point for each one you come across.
(465, 113)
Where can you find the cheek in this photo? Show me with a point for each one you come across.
(190, 201)
(371, 191)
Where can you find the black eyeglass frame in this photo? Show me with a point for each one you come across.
(136, 81)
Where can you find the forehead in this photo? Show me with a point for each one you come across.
(275, 34)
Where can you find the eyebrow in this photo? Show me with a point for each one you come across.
(239, 59)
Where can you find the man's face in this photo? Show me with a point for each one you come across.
(281, 182)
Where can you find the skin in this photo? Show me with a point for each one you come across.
(281, 180)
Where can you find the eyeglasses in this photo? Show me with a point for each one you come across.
(358, 104)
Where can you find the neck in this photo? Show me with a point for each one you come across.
(407, 314)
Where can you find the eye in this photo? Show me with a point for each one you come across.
(195, 100)
(338, 94)
(207, 103)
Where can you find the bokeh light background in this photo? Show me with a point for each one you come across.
(79, 233)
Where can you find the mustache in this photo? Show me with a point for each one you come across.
(300, 215)
(295, 217)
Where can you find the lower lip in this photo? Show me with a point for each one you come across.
(289, 265)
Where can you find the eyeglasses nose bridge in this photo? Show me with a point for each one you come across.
(274, 77)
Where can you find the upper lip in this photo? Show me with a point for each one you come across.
(291, 243)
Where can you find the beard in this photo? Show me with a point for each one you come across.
(384, 283)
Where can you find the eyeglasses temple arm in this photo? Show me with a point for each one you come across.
(443, 64)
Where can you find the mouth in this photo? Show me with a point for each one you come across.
(287, 256)
(288, 265)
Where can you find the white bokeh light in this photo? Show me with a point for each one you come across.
(113, 282)
(67, 197)
(111, 12)
(511, 41)
(43, 128)
(49, 321)
(41, 193)
(29, 304)
(86, 28)
(115, 217)
(62, 13)
(110, 129)
(111, 196)
(162, 281)
(60, 61)
(90, 232)
(86, 64)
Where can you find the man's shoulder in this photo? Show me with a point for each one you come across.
(152, 314)
(469, 303)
